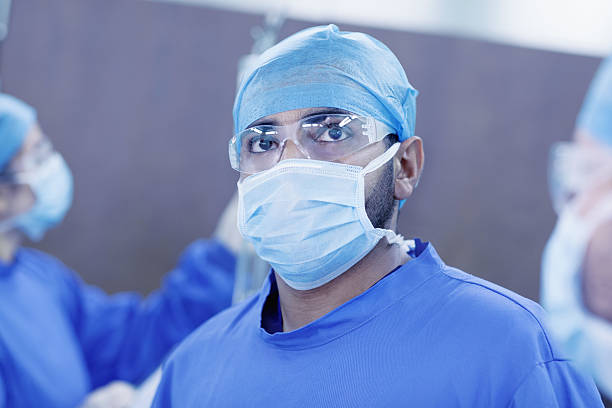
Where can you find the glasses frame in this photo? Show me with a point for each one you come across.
(381, 130)
(40, 153)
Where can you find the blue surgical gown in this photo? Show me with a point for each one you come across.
(426, 335)
(61, 338)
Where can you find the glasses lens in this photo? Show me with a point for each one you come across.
(321, 137)
(259, 148)
(332, 136)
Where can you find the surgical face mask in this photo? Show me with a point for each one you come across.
(585, 337)
(51, 182)
(307, 218)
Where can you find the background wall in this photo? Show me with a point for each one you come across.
(138, 96)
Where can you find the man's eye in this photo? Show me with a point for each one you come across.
(262, 143)
(333, 133)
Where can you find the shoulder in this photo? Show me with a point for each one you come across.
(216, 333)
(490, 329)
(499, 315)
(479, 292)
(37, 257)
(475, 301)
(555, 381)
(41, 265)
(198, 358)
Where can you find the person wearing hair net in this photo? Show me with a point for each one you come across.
(352, 314)
(577, 261)
(59, 337)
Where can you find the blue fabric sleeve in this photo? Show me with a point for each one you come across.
(556, 383)
(2, 392)
(125, 337)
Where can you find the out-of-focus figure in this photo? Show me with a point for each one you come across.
(249, 275)
(577, 261)
(59, 337)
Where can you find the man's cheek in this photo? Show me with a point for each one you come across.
(371, 181)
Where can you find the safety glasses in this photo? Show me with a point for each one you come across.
(39, 153)
(327, 137)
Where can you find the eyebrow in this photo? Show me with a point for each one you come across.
(265, 121)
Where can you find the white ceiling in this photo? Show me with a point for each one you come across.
(573, 26)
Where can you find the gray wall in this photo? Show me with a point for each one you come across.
(138, 96)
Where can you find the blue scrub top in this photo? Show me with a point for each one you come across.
(426, 335)
(61, 338)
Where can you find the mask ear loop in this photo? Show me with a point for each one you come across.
(392, 237)
(381, 160)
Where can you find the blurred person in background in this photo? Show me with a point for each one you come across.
(59, 337)
(577, 261)
(249, 274)
(352, 314)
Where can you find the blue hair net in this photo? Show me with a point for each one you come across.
(324, 67)
(16, 119)
(596, 114)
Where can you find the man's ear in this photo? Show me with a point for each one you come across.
(408, 164)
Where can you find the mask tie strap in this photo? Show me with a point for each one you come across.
(375, 164)
(382, 159)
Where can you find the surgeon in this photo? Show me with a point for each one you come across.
(577, 262)
(353, 315)
(59, 337)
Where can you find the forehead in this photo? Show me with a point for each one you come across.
(292, 116)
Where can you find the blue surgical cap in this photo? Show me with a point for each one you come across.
(16, 119)
(596, 114)
(324, 67)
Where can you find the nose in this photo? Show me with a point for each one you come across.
(292, 151)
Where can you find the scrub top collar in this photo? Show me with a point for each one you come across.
(352, 314)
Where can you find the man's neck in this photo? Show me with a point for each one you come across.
(300, 307)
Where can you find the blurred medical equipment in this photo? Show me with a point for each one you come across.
(250, 269)
(5, 12)
(264, 37)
